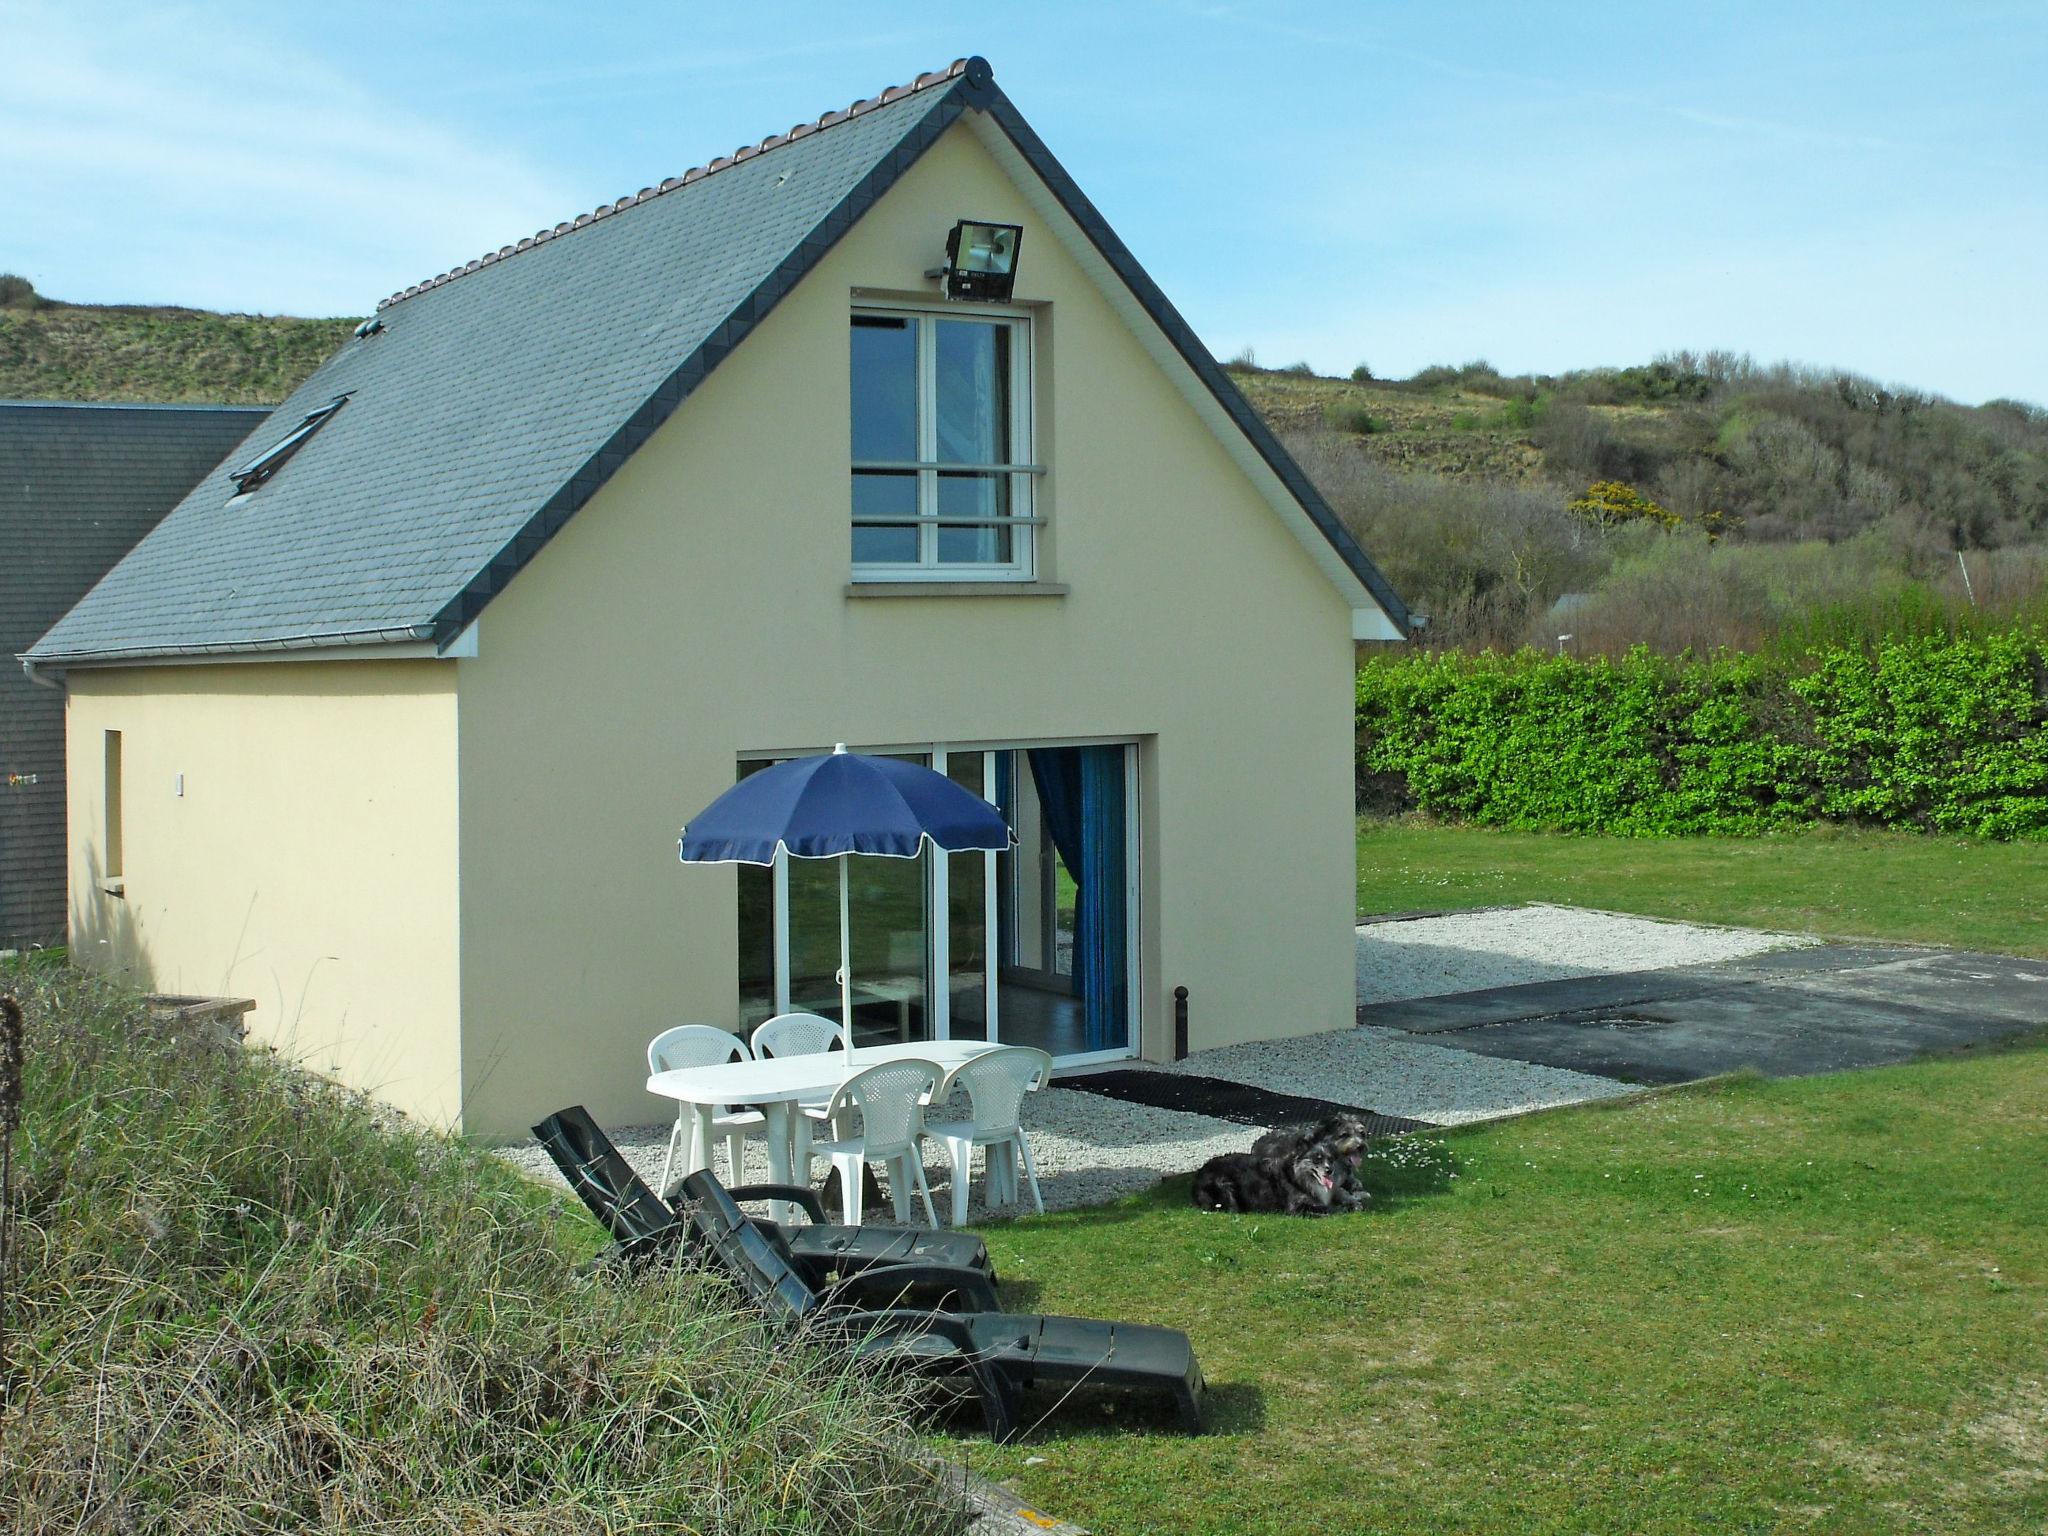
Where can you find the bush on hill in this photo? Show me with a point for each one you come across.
(17, 292)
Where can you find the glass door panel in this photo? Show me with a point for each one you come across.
(891, 949)
(757, 938)
(967, 915)
(811, 937)
(889, 925)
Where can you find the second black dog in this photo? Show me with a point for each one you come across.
(1304, 1182)
(1343, 1136)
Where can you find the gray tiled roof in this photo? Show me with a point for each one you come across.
(498, 398)
(79, 484)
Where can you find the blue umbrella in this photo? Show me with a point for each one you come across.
(835, 805)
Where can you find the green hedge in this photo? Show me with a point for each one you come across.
(1948, 735)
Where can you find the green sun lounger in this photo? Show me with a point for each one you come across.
(999, 1353)
(642, 1224)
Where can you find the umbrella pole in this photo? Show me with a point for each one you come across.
(845, 966)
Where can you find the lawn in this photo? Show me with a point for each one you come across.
(1817, 1304)
(1882, 885)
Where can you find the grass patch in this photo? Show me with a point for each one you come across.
(1910, 886)
(248, 1301)
(1814, 1304)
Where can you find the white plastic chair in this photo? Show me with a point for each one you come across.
(704, 1045)
(799, 1034)
(795, 1034)
(890, 1099)
(996, 1082)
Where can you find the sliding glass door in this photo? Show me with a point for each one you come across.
(1036, 946)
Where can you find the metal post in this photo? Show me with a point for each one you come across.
(1180, 1023)
(845, 965)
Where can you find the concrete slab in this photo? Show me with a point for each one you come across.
(1533, 1000)
(1787, 1013)
(1993, 986)
(1819, 957)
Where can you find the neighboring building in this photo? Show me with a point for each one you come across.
(79, 484)
(396, 737)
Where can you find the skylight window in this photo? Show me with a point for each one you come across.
(267, 463)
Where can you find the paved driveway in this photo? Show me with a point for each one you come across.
(1784, 1012)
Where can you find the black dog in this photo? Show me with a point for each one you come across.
(1304, 1181)
(1343, 1136)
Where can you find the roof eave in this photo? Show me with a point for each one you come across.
(117, 656)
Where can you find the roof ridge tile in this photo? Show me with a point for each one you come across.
(695, 174)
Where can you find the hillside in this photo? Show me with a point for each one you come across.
(1698, 501)
(1779, 451)
(56, 351)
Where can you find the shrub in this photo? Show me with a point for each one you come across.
(1516, 414)
(17, 292)
(1480, 558)
(1362, 374)
(1611, 504)
(1352, 417)
(1946, 735)
(1580, 446)
(1520, 413)
(255, 1303)
(1666, 379)
(1683, 589)
(1301, 370)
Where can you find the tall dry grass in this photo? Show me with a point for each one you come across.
(247, 1301)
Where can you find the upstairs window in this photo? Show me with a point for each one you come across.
(273, 458)
(942, 478)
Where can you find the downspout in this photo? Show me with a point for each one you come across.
(35, 675)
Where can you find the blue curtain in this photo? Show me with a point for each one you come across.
(1082, 791)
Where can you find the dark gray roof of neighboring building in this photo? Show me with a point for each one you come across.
(497, 398)
(79, 484)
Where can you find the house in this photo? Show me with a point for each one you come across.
(79, 484)
(391, 723)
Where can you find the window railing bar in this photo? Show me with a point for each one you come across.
(907, 465)
(943, 520)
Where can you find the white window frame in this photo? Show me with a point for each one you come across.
(1022, 519)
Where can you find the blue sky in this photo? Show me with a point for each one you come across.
(1550, 187)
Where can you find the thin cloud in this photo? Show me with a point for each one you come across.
(250, 165)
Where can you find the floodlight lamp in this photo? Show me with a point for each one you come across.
(981, 260)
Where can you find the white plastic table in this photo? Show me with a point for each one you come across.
(778, 1084)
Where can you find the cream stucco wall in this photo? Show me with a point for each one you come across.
(309, 863)
(695, 611)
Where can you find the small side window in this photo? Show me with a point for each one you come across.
(111, 837)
